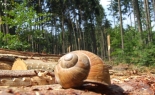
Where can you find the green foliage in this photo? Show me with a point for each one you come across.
(25, 20)
(23, 17)
(20, 19)
(134, 52)
(39, 25)
(12, 42)
(147, 56)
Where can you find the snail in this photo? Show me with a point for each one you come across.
(79, 67)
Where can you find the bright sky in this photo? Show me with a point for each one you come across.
(105, 4)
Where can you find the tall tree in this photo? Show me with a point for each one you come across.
(153, 4)
(138, 17)
(121, 24)
(148, 21)
(64, 20)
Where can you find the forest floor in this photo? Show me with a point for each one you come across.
(134, 80)
(125, 79)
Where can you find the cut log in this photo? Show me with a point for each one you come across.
(5, 65)
(6, 62)
(26, 77)
(39, 64)
(19, 65)
(22, 54)
(19, 60)
(30, 64)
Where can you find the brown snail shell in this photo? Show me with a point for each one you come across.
(78, 67)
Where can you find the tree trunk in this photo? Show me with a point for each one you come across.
(63, 36)
(79, 35)
(74, 36)
(134, 13)
(137, 13)
(94, 47)
(113, 13)
(83, 37)
(102, 45)
(0, 18)
(121, 24)
(130, 16)
(6, 25)
(148, 22)
(153, 4)
(79, 28)
(0, 21)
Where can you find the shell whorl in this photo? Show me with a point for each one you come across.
(72, 69)
(81, 67)
(69, 60)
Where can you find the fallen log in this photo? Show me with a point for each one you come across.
(31, 59)
(26, 53)
(30, 64)
(26, 77)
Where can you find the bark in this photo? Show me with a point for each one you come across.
(15, 60)
(32, 44)
(12, 54)
(0, 23)
(80, 31)
(6, 25)
(105, 44)
(113, 14)
(138, 17)
(121, 24)
(94, 47)
(102, 45)
(79, 35)
(26, 77)
(63, 35)
(130, 14)
(148, 22)
(134, 13)
(75, 37)
(84, 46)
(153, 4)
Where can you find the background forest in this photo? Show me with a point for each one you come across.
(60, 26)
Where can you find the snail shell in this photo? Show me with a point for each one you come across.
(79, 67)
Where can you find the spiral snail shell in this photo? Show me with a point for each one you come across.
(78, 67)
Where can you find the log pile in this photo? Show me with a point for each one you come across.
(30, 59)
(27, 73)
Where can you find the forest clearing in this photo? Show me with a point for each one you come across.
(38, 37)
(32, 79)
